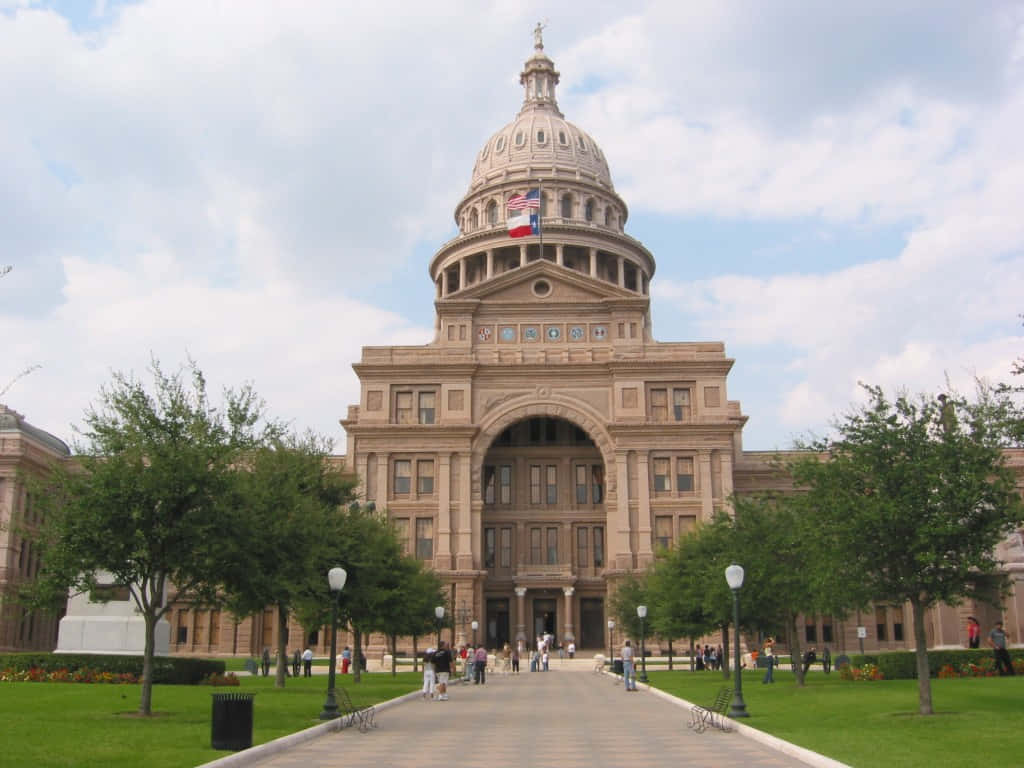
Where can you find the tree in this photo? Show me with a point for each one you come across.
(144, 500)
(915, 496)
(288, 496)
(408, 607)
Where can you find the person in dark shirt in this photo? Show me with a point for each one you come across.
(442, 668)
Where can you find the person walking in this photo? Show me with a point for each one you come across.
(296, 662)
(572, 650)
(442, 669)
(266, 661)
(307, 662)
(769, 660)
(515, 660)
(627, 667)
(346, 659)
(544, 657)
(480, 666)
(973, 632)
(997, 639)
(429, 678)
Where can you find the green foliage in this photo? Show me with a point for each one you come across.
(902, 665)
(170, 670)
(629, 593)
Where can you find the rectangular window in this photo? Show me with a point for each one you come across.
(597, 483)
(663, 531)
(403, 408)
(402, 532)
(661, 475)
(598, 547)
(681, 404)
(659, 405)
(506, 548)
(581, 484)
(489, 547)
(535, 484)
(425, 538)
(582, 550)
(535, 546)
(811, 633)
(880, 624)
(427, 407)
(826, 633)
(551, 484)
(684, 475)
(897, 623)
(552, 548)
(489, 484)
(505, 484)
(403, 475)
(425, 477)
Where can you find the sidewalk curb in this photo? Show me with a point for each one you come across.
(284, 743)
(774, 742)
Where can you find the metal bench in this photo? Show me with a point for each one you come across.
(714, 714)
(351, 714)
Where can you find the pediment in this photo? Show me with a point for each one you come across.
(566, 285)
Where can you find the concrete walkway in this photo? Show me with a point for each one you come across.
(559, 719)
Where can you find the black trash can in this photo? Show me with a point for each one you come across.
(231, 726)
(617, 666)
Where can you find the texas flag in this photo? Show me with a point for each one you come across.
(523, 223)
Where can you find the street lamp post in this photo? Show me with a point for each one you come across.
(439, 613)
(611, 648)
(336, 580)
(475, 625)
(641, 611)
(734, 578)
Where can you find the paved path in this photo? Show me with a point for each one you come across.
(533, 720)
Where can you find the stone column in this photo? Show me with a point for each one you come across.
(593, 262)
(464, 551)
(462, 274)
(623, 552)
(704, 471)
(559, 255)
(490, 263)
(383, 486)
(726, 460)
(643, 528)
(622, 273)
(444, 510)
(362, 470)
(521, 616)
(522, 255)
(567, 635)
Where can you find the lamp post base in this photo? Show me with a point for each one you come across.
(331, 710)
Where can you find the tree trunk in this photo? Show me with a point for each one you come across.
(146, 700)
(394, 655)
(725, 651)
(795, 652)
(693, 660)
(415, 655)
(357, 652)
(924, 681)
(669, 655)
(282, 646)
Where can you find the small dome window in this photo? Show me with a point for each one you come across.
(500, 145)
(580, 144)
(542, 288)
(540, 137)
(562, 140)
(567, 206)
(519, 138)
(608, 216)
(588, 210)
(483, 155)
(492, 213)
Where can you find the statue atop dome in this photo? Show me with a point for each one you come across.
(538, 37)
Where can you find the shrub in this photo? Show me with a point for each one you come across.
(215, 679)
(166, 670)
(865, 672)
(902, 665)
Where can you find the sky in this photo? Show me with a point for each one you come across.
(834, 190)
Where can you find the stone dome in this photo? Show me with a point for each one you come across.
(540, 139)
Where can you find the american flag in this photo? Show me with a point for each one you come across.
(528, 201)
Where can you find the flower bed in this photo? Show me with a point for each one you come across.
(215, 679)
(984, 667)
(80, 675)
(864, 672)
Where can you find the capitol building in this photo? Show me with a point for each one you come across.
(544, 444)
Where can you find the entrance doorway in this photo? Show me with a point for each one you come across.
(497, 622)
(591, 623)
(544, 617)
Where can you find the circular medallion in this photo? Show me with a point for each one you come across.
(600, 332)
(554, 333)
(530, 333)
(508, 334)
(484, 333)
(576, 332)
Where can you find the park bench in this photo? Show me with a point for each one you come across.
(714, 714)
(351, 714)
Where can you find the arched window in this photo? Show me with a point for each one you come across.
(540, 137)
(566, 206)
(588, 210)
(519, 138)
(492, 213)
(561, 139)
(500, 145)
(608, 216)
(474, 220)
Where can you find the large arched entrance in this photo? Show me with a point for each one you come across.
(541, 486)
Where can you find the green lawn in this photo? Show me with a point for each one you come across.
(977, 720)
(67, 724)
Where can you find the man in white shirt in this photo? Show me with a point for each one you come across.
(307, 663)
(628, 673)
